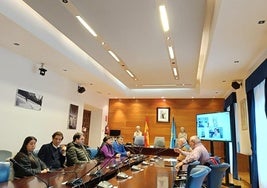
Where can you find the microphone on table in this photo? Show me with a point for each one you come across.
(122, 175)
(98, 171)
(104, 184)
(79, 181)
(26, 170)
(131, 149)
(140, 150)
(160, 151)
(126, 160)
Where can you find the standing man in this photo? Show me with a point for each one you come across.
(76, 152)
(199, 153)
(52, 154)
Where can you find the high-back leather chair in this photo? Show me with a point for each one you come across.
(216, 175)
(183, 175)
(159, 142)
(197, 176)
(4, 171)
(189, 167)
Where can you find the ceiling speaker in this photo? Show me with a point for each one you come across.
(236, 85)
(81, 89)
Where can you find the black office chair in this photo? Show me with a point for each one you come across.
(216, 175)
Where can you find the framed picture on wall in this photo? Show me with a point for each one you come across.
(73, 116)
(28, 100)
(163, 114)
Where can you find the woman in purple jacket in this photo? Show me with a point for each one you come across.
(107, 149)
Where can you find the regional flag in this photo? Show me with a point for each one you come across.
(173, 134)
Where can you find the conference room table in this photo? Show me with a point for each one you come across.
(91, 173)
(151, 150)
(159, 173)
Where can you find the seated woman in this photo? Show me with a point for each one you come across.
(107, 149)
(28, 163)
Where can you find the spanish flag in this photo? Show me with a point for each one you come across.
(146, 133)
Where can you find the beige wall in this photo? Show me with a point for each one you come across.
(58, 93)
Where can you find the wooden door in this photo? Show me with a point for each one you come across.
(86, 125)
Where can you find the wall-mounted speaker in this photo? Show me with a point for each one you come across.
(236, 85)
(81, 89)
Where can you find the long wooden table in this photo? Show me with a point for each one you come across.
(151, 151)
(107, 169)
(157, 174)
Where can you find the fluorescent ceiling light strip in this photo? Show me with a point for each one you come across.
(158, 85)
(175, 71)
(129, 72)
(171, 52)
(113, 55)
(164, 18)
(144, 90)
(86, 26)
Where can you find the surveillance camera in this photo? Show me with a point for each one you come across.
(42, 71)
(65, 1)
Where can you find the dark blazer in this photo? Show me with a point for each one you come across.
(29, 165)
(51, 156)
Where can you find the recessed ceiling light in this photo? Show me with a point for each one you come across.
(114, 56)
(130, 74)
(164, 18)
(175, 71)
(83, 22)
(171, 53)
(261, 22)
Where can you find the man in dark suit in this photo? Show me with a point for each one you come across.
(53, 154)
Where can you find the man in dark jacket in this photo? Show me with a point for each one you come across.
(52, 154)
(76, 152)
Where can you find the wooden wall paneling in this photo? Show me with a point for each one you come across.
(125, 114)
